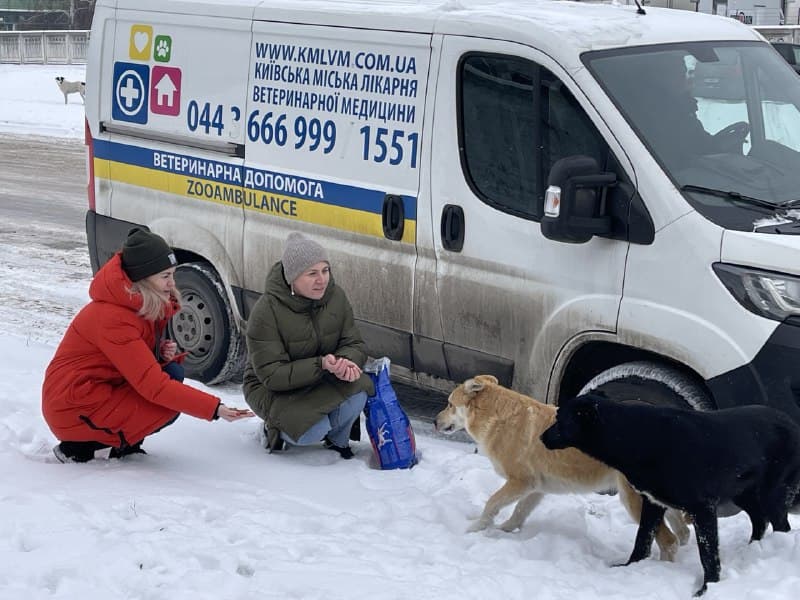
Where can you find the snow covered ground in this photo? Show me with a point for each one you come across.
(207, 514)
(31, 102)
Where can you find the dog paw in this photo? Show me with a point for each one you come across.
(510, 526)
(478, 525)
(701, 591)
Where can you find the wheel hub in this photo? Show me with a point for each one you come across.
(193, 326)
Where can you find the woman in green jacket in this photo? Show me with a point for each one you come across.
(305, 353)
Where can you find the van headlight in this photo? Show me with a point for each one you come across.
(772, 295)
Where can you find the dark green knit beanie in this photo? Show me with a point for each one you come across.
(145, 253)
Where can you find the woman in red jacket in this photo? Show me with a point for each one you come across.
(113, 379)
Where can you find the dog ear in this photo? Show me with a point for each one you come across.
(473, 386)
(490, 379)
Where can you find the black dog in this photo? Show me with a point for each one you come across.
(690, 460)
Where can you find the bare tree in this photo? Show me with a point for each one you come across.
(60, 14)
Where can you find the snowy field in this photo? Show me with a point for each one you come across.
(32, 103)
(207, 514)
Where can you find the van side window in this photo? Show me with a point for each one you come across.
(498, 131)
(566, 128)
(516, 120)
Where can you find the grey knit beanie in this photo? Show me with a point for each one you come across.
(145, 253)
(300, 253)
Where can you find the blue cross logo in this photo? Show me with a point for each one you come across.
(131, 89)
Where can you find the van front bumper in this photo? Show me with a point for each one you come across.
(771, 378)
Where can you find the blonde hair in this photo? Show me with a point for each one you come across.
(153, 306)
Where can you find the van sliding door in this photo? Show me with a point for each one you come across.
(334, 149)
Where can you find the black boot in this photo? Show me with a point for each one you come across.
(78, 452)
(126, 451)
(273, 442)
(344, 451)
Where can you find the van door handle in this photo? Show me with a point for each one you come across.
(453, 227)
(393, 217)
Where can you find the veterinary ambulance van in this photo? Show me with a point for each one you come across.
(565, 195)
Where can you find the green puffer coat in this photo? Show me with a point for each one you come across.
(287, 336)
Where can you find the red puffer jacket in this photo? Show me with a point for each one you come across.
(104, 383)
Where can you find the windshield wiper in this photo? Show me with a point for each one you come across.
(731, 195)
(790, 203)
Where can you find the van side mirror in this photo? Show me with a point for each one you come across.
(574, 205)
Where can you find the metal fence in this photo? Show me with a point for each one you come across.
(44, 47)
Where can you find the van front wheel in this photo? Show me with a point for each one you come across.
(657, 384)
(205, 326)
(650, 382)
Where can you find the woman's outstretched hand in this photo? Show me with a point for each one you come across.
(234, 414)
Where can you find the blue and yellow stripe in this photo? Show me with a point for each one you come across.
(326, 203)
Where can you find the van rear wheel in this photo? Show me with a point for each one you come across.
(650, 382)
(205, 326)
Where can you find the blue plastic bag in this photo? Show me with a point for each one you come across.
(387, 423)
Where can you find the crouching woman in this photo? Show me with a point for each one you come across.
(305, 353)
(114, 379)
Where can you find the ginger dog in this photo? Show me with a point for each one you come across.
(506, 425)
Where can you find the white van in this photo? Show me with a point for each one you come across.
(528, 189)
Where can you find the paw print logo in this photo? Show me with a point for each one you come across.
(162, 49)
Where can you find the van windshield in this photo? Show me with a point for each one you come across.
(722, 118)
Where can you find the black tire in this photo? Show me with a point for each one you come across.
(650, 382)
(205, 327)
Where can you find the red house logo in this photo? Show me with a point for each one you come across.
(165, 91)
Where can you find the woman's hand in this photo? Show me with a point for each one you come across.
(329, 363)
(351, 371)
(167, 350)
(233, 414)
(343, 368)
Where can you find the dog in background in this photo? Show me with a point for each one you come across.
(507, 427)
(71, 87)
(690, 460)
